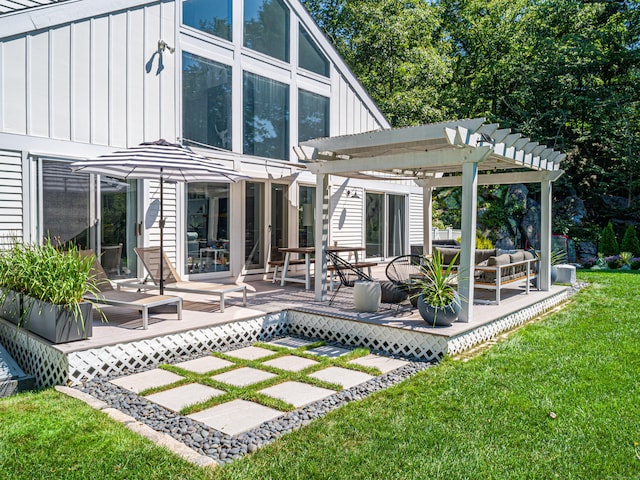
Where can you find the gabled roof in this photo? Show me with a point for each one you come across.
(428, 151)
(9, 6)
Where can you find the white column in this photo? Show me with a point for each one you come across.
(321, 235)
(468, 247)
(427, 213)
(545, 235)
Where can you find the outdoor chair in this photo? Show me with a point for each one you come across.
(402, 270)
(150, 257)
(111, 258)
(349, 274)
(108, 295)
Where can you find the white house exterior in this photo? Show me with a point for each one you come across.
(240, 81)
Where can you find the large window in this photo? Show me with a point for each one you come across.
(213, 17)
(313, 116)
(206, 101)
(309, 55)
(266, 27)
(266, 117)
(207, 227)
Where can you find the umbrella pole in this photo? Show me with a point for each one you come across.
(161, 233)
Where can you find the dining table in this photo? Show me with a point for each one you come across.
(307, 252)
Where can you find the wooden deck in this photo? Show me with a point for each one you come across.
(272, 310)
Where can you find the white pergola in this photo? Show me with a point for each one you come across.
(464, 153)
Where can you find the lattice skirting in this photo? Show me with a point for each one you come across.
(392, 341)
(37, 358)
(123, 358)
(491, 330)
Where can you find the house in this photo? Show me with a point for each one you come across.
(241, 82)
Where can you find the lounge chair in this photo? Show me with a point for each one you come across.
(108, 295)
(150, 257)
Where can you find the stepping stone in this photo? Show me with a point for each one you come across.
(149, 379)
(384, 364)
(291, 363)
(236, 416)
(177, 398)
(290, 342)
(296, 393)
(329, 351)
(342, 376)
(241, 377)
(251, 353)
(204, 364)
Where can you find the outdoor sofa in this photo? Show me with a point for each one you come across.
(494, 269)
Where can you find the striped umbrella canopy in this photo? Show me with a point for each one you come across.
(163, 161)
(159, 160)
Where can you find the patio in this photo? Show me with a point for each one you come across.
(121, 345)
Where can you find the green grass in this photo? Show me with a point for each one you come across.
(489, 417)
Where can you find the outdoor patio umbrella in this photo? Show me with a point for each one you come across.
(163, 161)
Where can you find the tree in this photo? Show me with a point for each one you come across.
(630, 242)
(608, 244)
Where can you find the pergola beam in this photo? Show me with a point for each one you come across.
(496, 178)
(444, 157)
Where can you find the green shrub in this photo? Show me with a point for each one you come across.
(630, 242)
(482, 242)
(608, 244)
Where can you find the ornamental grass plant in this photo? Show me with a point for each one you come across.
(48, 273)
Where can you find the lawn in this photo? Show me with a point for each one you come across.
(558, 399)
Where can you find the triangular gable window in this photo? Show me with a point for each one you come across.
(310, 57)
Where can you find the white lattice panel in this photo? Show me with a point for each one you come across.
(492, 330)
(122, 358)
(47, 365)
(393, 341)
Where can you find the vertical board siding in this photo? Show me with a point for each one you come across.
(170, 210)
(416, 219)
(81, 82)
(10, 197)
(60, 83)
(14, 86)
(38, 54)
(87, 81)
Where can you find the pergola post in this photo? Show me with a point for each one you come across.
(321, 235)
(468, 247)
(427, 213)
(545, 234)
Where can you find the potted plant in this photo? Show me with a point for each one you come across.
(51, 283)
(438, 300)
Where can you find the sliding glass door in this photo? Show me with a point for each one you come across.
(385, 229)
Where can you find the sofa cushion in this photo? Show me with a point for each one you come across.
(529, 255)
(498, 260)
(484, 254)
(518, 256)
(448, 254)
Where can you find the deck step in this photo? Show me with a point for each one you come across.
(12, 378)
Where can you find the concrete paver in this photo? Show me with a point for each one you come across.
(329, 351)
(177, 398)
(250, 353)
(290, 342)
(296, 393)
(149, 379)
(291, 363)
(342, 376)
(384, 364)
(204, 364)
(241, 377)
(236, 416)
